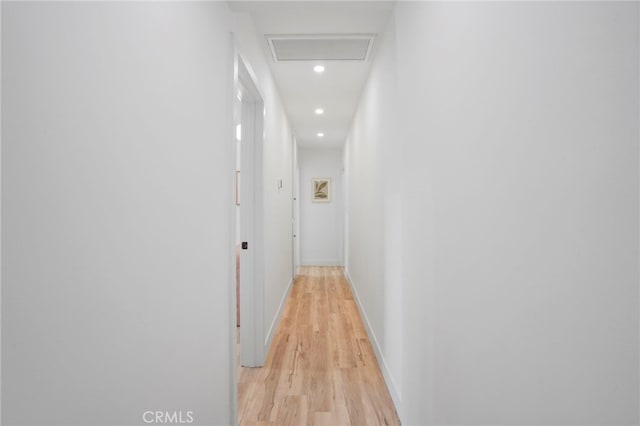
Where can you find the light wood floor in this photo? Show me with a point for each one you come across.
(321, 369)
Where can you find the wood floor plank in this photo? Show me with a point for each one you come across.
(293, 411)
(321, 369)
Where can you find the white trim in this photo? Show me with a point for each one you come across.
(276, 318)
(388, 378)
(295, 197)
(232, 263)
(322, 262)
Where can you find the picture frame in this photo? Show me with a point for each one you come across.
(321, 190)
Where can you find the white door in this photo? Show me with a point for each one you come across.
(251, 222)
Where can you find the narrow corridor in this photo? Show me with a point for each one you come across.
(321, 369)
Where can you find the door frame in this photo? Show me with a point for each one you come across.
(251, 217)
(295, 214)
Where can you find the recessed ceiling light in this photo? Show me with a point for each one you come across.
(318, 68)
(319, 111)
(320, 134)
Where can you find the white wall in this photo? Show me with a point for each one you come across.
(373, 167)
(116, 204)
(525, 171)
(518, 143)
(321, 224)
(278, 165)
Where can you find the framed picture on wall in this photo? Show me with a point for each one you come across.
(321, 190)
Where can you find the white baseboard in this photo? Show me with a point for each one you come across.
(324, 262)
(391, 384)
(276, 318)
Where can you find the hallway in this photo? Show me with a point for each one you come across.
(321, 369)
(469, 170)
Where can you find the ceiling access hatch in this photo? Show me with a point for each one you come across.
(321, 47)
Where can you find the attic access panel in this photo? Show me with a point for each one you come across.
(320, 47)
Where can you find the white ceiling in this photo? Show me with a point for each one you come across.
(338, 89)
